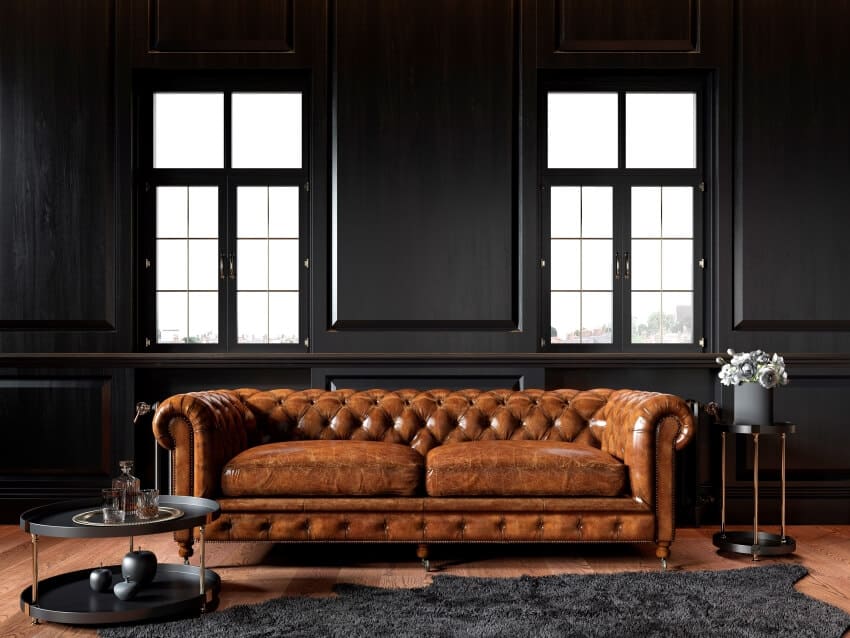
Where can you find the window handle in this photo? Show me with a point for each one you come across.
(617, 266)
(231, 266)
(221, 266)
(628, 265)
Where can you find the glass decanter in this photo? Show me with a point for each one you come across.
(129, 484)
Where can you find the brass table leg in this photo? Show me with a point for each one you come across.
(203, 571)
(34, 573)
(723, 484)
(782, 483)
(131, 543)
(755, 496)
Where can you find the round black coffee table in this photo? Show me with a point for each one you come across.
(67, 598)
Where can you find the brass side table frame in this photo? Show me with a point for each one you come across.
(755, 543)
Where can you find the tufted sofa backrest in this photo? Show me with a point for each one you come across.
(425, 419)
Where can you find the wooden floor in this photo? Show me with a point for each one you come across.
(253, 572)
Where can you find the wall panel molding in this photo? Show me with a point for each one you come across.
(220, 25)
(626, 25)
(365, 378)
(64, 433)
(426, 225)
(791, 134)
(59, 230)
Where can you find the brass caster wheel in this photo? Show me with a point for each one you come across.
(426, 564)
(663, 564)
(185, 561)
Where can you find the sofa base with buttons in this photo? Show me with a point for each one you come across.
(425, 467)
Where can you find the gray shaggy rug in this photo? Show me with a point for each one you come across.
(758, 601)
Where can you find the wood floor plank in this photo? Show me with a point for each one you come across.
(254, 572)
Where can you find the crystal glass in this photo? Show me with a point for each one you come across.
(147, 504)
(112, 504)
(129, 484)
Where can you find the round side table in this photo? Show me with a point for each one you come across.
(755, 543)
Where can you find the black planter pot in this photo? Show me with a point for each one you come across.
(753, 404)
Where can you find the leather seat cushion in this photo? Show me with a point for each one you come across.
(324, 468)
(522, 468)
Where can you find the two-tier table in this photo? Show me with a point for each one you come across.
(68, 598)
(756, 543)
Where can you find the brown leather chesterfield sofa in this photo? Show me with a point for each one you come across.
(430, 466)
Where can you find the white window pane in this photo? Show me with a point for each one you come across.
(188, 130)
(252, 211)
(284, 264)
(266, 130)
(566, 264)
(565, 317)
(596, 264)
(203, 211)
(661, 130)
(283, 211)
(646, 211)
(566, 211)
(171, 264)
(678, 317)
(171, 211)
(252, 264)
(677, 204)
(203, 264)
(646, 264)
(646, 317)
(203, 317)
(171, 317)
(582, 130)
(596, 317)
(597, 204)
(252, 317)
(677, 259)
(283, 317)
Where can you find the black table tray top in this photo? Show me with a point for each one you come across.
(67, 598)
(779, 427)
(56, 519)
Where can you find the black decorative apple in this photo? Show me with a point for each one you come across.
(100, 579)
(125, 590)
(139, 566)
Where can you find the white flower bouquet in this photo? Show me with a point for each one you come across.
(753, 367)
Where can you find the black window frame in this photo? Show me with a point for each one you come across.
(147, 178)
(622, 179)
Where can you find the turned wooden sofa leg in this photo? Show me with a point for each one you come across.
(184, 548)
(422, 554)
(662, 551)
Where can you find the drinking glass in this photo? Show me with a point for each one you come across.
(147, 504)
(112, 504)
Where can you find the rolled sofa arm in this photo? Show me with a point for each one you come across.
(644, 430)
(204, 430)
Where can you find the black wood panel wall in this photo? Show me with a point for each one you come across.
(58, 228)
(424, 206)
(790, 219)
(425, 224)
